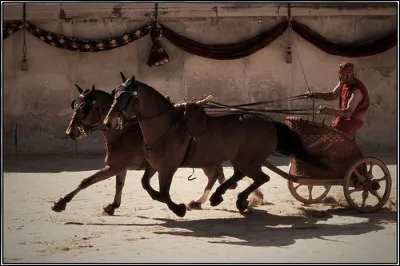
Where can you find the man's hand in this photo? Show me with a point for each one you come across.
(310, 94)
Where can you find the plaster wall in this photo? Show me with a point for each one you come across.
(36, 103)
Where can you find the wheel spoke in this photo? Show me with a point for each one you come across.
(370, 168)
(360, 177)
(310, 192)
(381, 179)
(359, 188)
(365, 196)
(376, 194)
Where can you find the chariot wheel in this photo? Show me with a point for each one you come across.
(311, 195)
(367, 185)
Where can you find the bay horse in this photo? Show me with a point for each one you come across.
(123, 150)
(246, 140)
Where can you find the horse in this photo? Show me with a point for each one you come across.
(123, 150)
(246, 140)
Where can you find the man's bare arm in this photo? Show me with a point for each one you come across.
(328, 96)
(354, 100)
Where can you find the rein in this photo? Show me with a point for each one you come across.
(242, 107)
(298, 97)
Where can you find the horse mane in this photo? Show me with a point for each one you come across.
(153, 91)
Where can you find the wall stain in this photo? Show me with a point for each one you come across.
(385, 71)
(117, 11)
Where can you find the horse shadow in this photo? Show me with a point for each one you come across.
(263, 229)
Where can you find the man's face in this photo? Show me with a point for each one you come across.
(346, 78)
(342, 77)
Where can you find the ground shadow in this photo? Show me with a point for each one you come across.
(264, 229)
(260, 228)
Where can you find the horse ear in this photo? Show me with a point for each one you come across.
(113, 93)
(72, 104)
(122, 77)
(79, 88)
(133, 79)
(93, 88)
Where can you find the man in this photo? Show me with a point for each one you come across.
(353, 101)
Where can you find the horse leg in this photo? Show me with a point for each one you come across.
(213, 173)
(222, 179)
(216, 197)
(165, 180)
(148, 174)
(100, 175)
(119, 185)
(252, 170)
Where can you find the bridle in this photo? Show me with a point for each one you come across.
(83, 129)
(122, 120)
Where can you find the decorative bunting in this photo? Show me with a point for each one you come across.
(10, 29)
(158, 56)
(85, 45)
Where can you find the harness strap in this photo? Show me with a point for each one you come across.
(298, 97)
(192, 143)
(188, 155)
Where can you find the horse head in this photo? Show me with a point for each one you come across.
(88, 108)
(125, 101)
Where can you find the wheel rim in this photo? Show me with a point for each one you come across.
(367, 185)
(311, 195)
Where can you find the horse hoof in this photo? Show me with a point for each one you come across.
(155, 196)
(233, 186)
(180, 210)
(193, 205)
(242, 205)
(215, 199)
(109, 210)
(59, 206)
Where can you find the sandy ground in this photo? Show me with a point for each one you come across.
(280, 230)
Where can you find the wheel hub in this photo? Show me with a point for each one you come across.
(371, 185)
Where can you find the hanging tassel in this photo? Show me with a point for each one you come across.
(158, 56)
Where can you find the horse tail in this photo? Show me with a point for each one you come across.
(290, 144)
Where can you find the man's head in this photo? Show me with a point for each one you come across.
(347, 73)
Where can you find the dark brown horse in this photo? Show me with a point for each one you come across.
(246, 140)
(123, 150)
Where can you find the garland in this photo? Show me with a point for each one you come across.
(12, 28)
(226, 51)
(84, 45)
(356, 49)
(158, 55)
